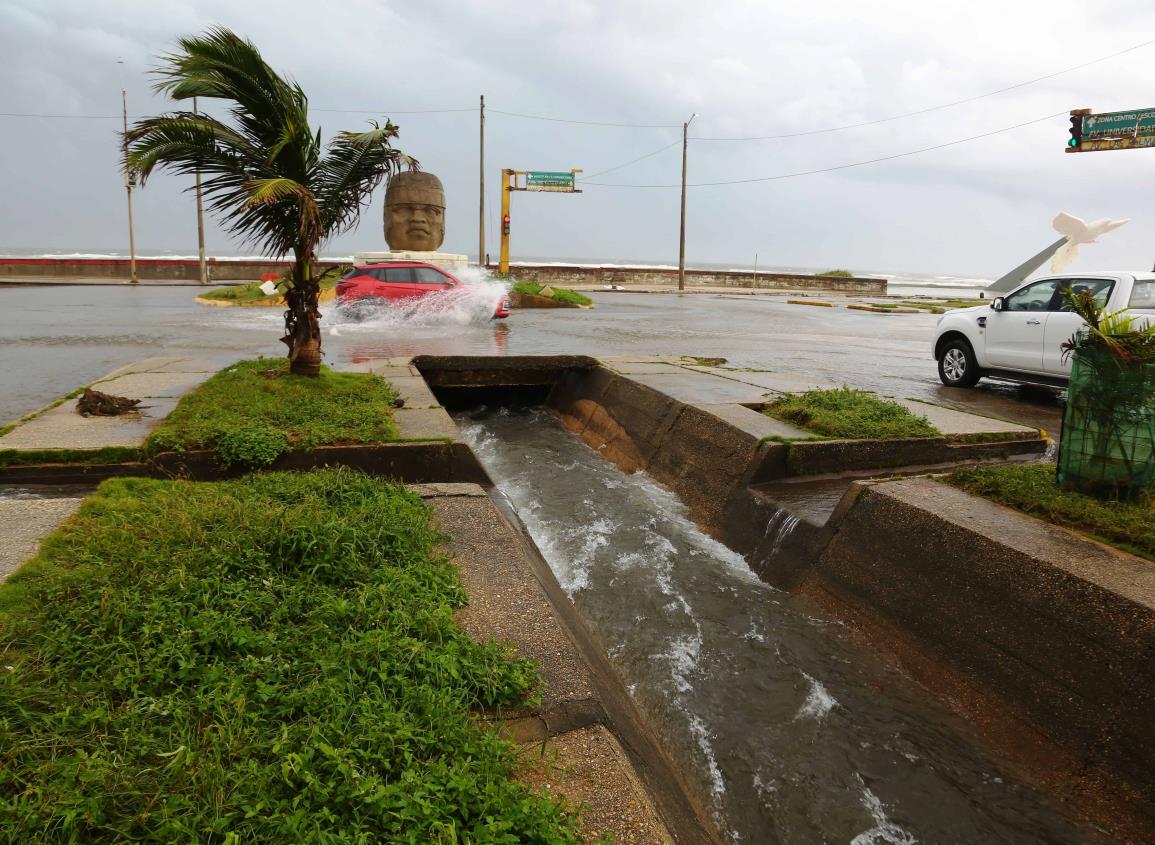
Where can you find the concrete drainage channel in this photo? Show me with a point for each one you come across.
(655, 498)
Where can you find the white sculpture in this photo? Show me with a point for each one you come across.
(1077, 232)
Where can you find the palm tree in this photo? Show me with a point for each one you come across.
(266, 175)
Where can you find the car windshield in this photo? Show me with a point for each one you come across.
(1143, 295)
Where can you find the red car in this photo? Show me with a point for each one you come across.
(396, 280)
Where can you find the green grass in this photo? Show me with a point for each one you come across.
(103, 455)
(255, 411)
(849, 414)
(840, 274)
(252, 292)
(570, 297)
(1032, 489)
(268, 660)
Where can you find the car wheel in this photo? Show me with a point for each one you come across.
(957, 367)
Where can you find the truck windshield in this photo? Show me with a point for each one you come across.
(1143, 295)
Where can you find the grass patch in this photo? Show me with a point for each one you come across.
(1032, 488)
(838, 274)
(272, 659)
(569, 297)
(849, 414)
(252, 292)
(103, 455)
(255, 411)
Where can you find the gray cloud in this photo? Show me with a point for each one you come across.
(746, 67)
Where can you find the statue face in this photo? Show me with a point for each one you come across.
(414, 220)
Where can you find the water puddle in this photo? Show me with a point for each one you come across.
(793, 733)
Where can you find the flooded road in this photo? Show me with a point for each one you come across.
(792, 732)
(55, 338)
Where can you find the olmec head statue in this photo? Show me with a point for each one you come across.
(414, 212)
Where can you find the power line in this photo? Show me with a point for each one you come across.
(628, 163)
(932, 108)
(587, 122)
(836, 167)
(388, 112)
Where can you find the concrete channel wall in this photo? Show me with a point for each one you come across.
(1058, 626)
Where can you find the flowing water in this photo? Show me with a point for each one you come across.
(794, 733)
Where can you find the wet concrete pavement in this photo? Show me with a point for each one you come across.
(55, 338)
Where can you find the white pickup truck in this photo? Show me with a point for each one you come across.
(1017, 337)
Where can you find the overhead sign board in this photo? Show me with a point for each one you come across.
(549, 180)
(1119, 130)
(1119, 124)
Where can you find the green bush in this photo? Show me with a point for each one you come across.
(570, 297)
(1033, 489)
(840, 274)
(255, 411)
(849, 414)
(268, 660)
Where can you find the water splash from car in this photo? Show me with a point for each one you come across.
(474, 301)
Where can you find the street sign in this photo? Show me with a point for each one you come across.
(1120, 130)
(547, 180)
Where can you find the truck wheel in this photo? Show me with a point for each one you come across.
(957, 367)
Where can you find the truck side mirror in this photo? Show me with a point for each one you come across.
(997, 303)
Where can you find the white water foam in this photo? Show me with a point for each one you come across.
(818, 701)
(884, 832)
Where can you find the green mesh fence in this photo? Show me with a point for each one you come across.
(1107, 447)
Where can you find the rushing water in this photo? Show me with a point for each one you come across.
(795, 734)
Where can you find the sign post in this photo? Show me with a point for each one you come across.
(553, 181)
(1120, 130)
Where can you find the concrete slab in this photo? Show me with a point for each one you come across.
(422, 424)
(954, 423)
(756, 424)
(641, 367)
(589, 768)
(63, 428)
(151, 385)
(175, 364)
(776, 382)
(24, 523)
(505, 600)
(702, 388)
(412, 389)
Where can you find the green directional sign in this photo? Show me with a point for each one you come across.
(1117, 130)
(1119, 124)
(548, 180)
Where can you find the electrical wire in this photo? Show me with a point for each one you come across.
(930, 108)
(628, 163)
(836, 167)
(586, 122)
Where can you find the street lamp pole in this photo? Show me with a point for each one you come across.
(481, 192)
(201, 221)
(682, 232)
(128, 180)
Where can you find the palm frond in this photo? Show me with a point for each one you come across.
(354, 164)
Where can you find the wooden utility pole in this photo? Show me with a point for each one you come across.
(505, 174)
(201, 221)
(481, 192)
(128, 180)
(682, 232)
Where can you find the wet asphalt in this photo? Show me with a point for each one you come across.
(55, 338)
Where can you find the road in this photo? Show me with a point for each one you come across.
(55, 338)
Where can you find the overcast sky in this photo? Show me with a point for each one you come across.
(745, 67)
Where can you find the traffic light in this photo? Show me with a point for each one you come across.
(1076, 131)
(505, 224)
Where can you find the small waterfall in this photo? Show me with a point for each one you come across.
(780, 526)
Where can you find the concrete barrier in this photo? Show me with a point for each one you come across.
(571, 275)
(1059, 628)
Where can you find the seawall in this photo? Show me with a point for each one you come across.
(582, 275)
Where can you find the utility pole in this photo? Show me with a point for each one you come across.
(128, 180)
(682, 233)
(201, 221)
(481, 192)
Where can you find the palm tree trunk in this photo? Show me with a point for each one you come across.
(302, 331)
